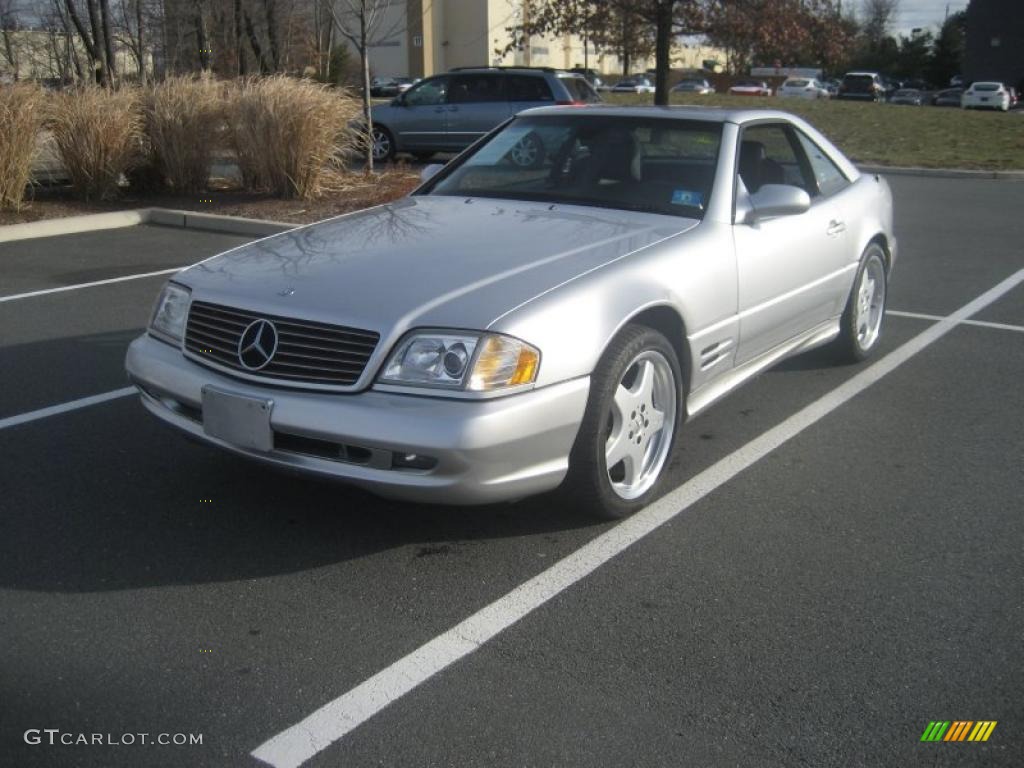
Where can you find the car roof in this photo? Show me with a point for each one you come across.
(682, 112)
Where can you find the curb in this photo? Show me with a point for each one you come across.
(942, 173)
(207, 222)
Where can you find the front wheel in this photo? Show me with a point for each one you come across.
(383, 144)
(861, 323)
(629, 427)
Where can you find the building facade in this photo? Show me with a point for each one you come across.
(418, 38)
(995, 42)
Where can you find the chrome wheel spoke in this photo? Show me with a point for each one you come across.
(642, 419)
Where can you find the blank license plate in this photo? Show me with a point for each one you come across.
(239, 420)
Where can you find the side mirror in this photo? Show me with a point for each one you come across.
(778, 200)
(430, 171)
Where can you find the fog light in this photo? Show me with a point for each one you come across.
(412, 461)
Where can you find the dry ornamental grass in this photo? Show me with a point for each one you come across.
(98, 134)
(184, 123)
(291, 136)
(22, 111)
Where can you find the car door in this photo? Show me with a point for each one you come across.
(476, 104)
(790, 268)
(420, 118)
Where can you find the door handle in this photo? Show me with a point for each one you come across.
(835, 227)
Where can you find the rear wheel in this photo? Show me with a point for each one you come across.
(861, 324)
(528, 152)
(629, 427)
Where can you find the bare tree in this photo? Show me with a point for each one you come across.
(361, 22)
(8, 26)
(879, 16)
(131, 33)
(92, 38)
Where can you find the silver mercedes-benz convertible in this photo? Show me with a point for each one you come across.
(545, 311)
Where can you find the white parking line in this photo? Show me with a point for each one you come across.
(332, 721)
(976, 323)
(77, 286)
(73, 405)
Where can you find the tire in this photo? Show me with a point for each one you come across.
(863, 317)
(383, 144)
(528, 152)
(637, 378)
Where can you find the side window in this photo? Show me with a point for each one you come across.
(528, 88)
(427, 93)
(827, 176)
(470, 89)
(767, 156)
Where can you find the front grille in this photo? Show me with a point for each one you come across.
(307, 352)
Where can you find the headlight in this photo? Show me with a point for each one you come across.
(170, 313)
(454, 360)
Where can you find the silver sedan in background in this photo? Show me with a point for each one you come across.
(508, 330)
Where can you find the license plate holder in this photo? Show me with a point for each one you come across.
(238, 419)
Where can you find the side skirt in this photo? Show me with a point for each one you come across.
(727, 382)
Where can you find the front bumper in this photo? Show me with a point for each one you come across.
(485, 450)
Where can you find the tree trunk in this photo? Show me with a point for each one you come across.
(254, 41)
(239, 45)
(662, 51)
(269, 8)
(88, 42)
(108, 42)
(364, 55)
(202, 40)
(141, 39)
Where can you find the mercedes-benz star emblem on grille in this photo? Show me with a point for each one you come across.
(258, 344)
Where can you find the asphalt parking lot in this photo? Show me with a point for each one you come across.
(857, 580)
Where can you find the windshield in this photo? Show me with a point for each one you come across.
(986, 86)
(795, 84)
(906, 92)
(628, 163)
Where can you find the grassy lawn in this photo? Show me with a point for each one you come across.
(886, 134)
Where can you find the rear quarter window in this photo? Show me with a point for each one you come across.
(580, 90)
(528, 88)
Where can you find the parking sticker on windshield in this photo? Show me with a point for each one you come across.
(687, 197)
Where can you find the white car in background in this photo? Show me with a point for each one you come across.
(803, 88)
(634, 85)
(750, 88)
(986, 95)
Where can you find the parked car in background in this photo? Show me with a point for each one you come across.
(833, 87)
(1014, 98)
(383, 87)
(803, 88)
(504, 332)
(862, 86)
(750, 88)
(910, 96)
(986, 95)
(948, 98)
(633, 85)
(592, 77)
(447, 113)
(697, 86)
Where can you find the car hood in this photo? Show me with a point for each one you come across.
(424, 261)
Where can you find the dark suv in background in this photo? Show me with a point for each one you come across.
(862, 86)
(447, 113)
